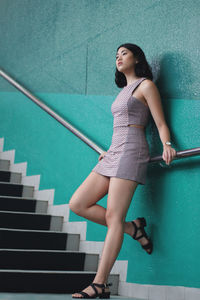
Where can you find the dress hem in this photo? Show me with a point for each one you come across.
(117, 176)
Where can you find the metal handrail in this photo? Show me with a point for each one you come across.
(84, 138)
(179, 154)
(51, 112)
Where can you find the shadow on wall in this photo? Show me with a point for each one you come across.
(175, 77)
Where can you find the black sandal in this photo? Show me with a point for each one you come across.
(149, 245)
(97, 294)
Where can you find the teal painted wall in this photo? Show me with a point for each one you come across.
(64, 52)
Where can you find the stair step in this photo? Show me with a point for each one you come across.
(38, 239)
(10, 203)
(7, 176)
(13, 189)
(49, 281)
(26, 220)
(4, 164)
(47, 260)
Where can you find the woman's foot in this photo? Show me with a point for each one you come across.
(90, 291)
(143, 240)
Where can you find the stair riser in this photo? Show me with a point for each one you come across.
(50, 282)
(24, 221)
(17, 204)
(6, 176)
(39, 282)
(23, 205)
(9, 189)
(30, 221)
(38, 240)
(30, 260)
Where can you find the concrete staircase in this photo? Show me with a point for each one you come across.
(41, 252)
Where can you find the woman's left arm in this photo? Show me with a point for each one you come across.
(152, 96)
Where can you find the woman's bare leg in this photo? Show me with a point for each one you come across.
(119, 198)
(120, 194)
(83, 201)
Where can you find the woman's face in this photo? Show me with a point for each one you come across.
(125, 60)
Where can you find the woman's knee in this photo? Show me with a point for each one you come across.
(75, 205)
(112, 218)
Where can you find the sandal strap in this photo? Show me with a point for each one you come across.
(143, 234)
(85, 295)
(94, 288)
(139, 237)
(102, 285)
(136, 229)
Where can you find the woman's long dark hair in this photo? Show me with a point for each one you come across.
(142, 68)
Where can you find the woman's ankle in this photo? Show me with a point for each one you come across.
(128, 228)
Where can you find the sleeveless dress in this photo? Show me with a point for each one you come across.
(128, 154)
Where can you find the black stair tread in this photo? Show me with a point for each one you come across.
(38, 239)
(26, 220)
(28, 213)
(48, 281)
(18, 184)
(37, 231)
(5, 176)
(10, 176)
(9, 172)
(40, 260)
(22, 204)
(16, 189)
(21, 198)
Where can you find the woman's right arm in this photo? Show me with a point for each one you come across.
(152, 96)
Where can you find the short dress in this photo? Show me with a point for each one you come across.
(128, 154)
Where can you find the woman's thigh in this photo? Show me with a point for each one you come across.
(120, 194)
(92, 189)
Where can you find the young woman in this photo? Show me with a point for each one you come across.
(121, 168)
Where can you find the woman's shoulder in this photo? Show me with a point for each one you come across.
(147, 80)
(147, 83)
